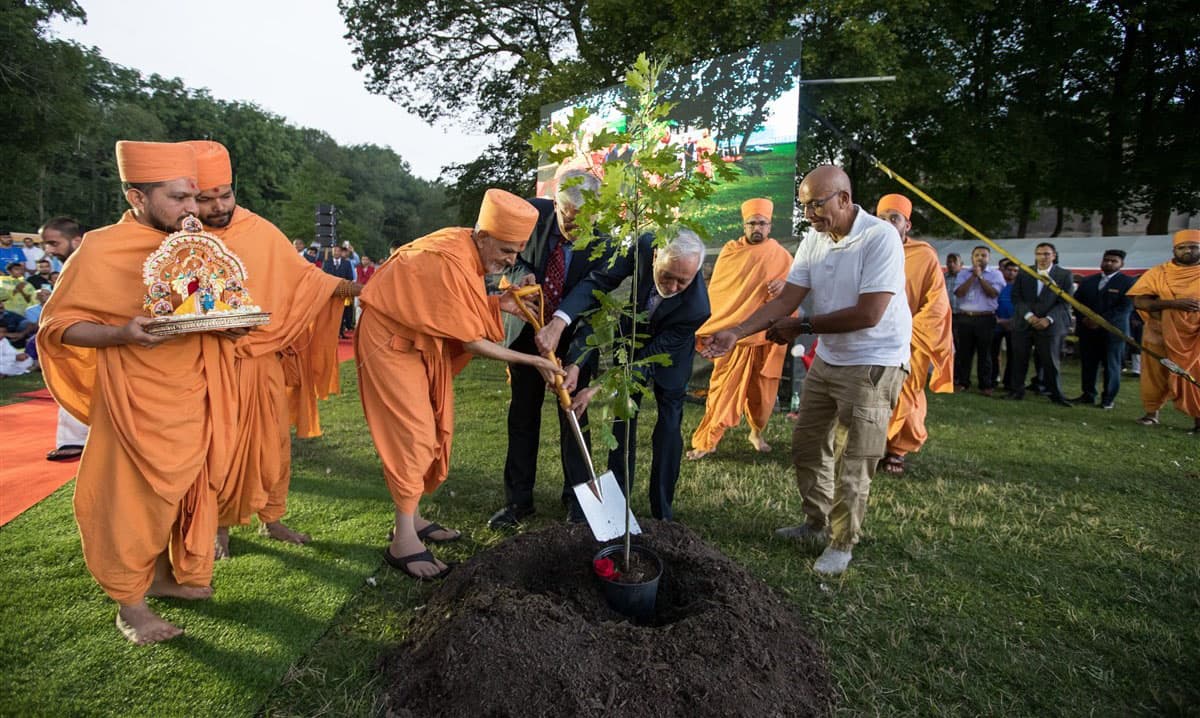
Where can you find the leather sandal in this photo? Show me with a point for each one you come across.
(424, 534)
(66, 452)
(402, 563)
(892, 464)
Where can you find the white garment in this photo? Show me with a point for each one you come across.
(32, 255)
(868, 259)
(71, 431)
(9, 364)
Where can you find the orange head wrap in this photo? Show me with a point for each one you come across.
(758, 205)
(147, 162)
(506, 216)
(212, 164)
(895, 202)
(1186, 236)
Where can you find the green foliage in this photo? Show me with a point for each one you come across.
(642, 191)
(999, 109)
(67, 106)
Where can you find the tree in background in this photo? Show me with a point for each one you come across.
(66, 106)
(1000, 109)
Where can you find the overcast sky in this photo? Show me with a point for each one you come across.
(287, 56)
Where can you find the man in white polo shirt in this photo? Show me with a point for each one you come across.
(852, 264)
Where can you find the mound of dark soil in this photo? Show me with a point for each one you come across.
(523, 630)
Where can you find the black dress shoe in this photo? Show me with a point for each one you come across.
(509, 517)
(1083, 399)
(1014, 396)
(1061, 401)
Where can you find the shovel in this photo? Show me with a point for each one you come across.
(606, 520)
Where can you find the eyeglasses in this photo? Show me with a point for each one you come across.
(814, 205)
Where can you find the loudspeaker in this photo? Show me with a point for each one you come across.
(326, 225)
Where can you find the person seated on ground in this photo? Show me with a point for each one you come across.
(41, 279)
(34, 312)
(13, 361)
(15, 326)
(15, 291)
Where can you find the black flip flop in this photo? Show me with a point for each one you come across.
(66, 452)
(423, 534)
(403, 562)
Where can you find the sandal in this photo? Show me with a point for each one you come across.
(1147, 420)
(892, 464)
(424, 534)
(66, 452)
(423, 556)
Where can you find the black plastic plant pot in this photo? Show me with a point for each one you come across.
(635, 600)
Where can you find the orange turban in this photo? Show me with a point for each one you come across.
(212, 164)
(758, 205)
(895, 202)
(1186, 236)
(147, 162)
(506, 216)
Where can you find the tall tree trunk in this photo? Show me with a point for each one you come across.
(1119, 105)
(1058, 220)
(1160, 212)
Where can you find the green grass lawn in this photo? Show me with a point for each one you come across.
(1034, 561)
(770, 174)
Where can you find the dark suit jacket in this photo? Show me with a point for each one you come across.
(534, 258)
(345, 270)
(1113, 304)
(672, 328)
(1025, 298)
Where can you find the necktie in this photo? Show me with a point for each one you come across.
(1104, 280)
(1042, 285)
(552, 289)
(652, 304)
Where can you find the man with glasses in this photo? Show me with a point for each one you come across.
(978, 289)
(749, 272)
(1041, 320)
(852, 264)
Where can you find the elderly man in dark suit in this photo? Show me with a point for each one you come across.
(1041, 321)
(550, 256)
(1104, 294)
(671, 293)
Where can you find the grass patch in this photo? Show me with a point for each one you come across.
(11, 386)
(767, 174)
(1034, 561)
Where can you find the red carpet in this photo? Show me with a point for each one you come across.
(25, 476)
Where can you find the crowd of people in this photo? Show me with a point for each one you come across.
(189, 435)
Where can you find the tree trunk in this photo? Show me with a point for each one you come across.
(1160, 212)
(1110, 221)
(1058, 221)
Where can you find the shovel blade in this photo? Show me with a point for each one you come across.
(606, 518)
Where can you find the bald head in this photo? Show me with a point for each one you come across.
(825, 197)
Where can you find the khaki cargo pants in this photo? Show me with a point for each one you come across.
(861, 400)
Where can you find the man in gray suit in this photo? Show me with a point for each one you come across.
(1041, 321)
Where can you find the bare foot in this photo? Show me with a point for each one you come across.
(168, 588)
(759, 443)
(697, 454)
(143, 627)
(221, 545)
(278, 531)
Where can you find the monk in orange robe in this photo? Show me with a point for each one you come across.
(162, 411)
(1172, 292)
(425, 313)
(291, 289)
(932, 336)
(749, 272)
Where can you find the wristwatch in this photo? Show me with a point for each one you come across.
(806, 326)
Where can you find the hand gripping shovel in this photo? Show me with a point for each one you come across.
(605, 518)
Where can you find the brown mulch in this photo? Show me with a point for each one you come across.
(522, 630)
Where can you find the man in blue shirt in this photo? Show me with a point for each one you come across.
(1003, 335)
(977, 289)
